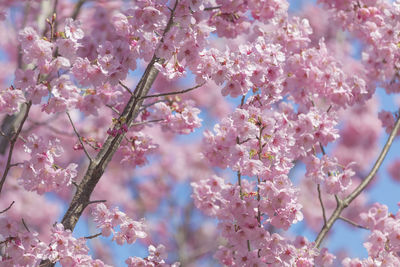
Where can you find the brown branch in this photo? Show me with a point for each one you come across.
(126, 88)
(342, 204)
(113, 109)
(13, 140)
(322, 204)
(9, 207)
(352, 223)
(92, 236)
(96, 201)
(96, 168)
(212, 8)
(174, 93)
(26, 227)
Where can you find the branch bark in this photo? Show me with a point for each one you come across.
(97, 167)
(342, 204)
(14, 137)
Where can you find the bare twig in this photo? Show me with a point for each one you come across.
(212, 8)
(342, 204)
(126, 88)
(322, 148)
(9, 207)
(92, 236)
(174, 93)
(352, 223)
(242, 101)
(79, 137)
(97, 201)
(26, 227)
(322, 204)
(113, 109)
(13, 140)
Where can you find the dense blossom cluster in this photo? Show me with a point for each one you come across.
(24, 248)
(157, 257)
(107, 220)
(41, 173)
(302, 99)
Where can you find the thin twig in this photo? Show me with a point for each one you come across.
(96, 201)
(212, 8)
(174, 93)
(79, 137)
(9, 207)
(113, 109)
(322, 204)
(13, 140)
(353, 223)
(26, 227)
(126, 88)
(322, 149)
(242, 101)
(92, 236)
(16, 164)
(342, 204)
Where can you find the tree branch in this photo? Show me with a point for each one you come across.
(352, 223)
(13, 140)
(79, 138)
(175, 93)
(125, 87)
(97, 167)
(322, 204)
(342, 204)
(9, 207)
(92, 236)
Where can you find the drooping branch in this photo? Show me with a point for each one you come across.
(342, 204)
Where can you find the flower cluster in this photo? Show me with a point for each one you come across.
(107, 220)
(10, 100)
(41, 173)
(383, 243)
(23, 247)
(178, 117)
(157, 257)
(138, 147)
(327, 171)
